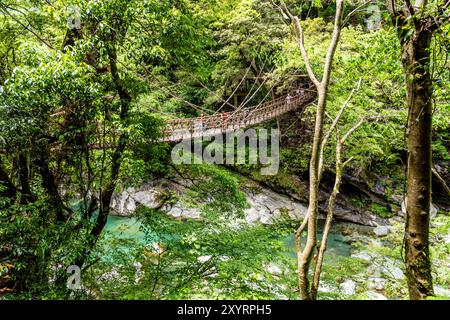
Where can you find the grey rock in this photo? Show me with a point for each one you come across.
(272, 268)
(325, 288)
(397, 198)
(447, 239)
(121, 202)
(130, 205)
(268, 205)
(252, 215)
(375, 283)
(348, 287)
(441, 292)
(374, 271)
(180, 211)
(381, 231)
(366, 218)
(375, 296)
(379, 189)
(395, 272)
(203, 259)
(146, 198)
(175, 212)
(362, 255)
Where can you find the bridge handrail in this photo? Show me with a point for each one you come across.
(273, 107)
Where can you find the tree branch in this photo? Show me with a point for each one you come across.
(349, 132)
(5, 10)
(441, 180)
(334, 124)
(294, 19)
(334, 42)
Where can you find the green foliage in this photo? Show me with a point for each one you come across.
(192, 259)
(37, 250)
(381, 210)
(81, 109)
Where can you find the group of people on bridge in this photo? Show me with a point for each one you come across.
(298, 93)
(224, 118)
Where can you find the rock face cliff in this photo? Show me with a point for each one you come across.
(265, 205)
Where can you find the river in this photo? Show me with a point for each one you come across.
(128, 228)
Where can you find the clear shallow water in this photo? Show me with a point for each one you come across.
(335, 245)
(126, 228)
(122, 235)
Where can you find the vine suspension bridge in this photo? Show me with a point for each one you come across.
(221, 122)
(205, 126)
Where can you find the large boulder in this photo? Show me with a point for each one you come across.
(440, 291)
(381, 231)
(348, 287)
(125, 203)
(266, 206)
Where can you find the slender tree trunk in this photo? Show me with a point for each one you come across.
(305, 256)
(328, 221)
(416, 58)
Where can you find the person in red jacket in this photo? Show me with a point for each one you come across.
(224, 120)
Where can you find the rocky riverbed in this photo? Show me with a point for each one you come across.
(265, 205)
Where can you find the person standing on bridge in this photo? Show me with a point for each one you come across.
(224, 121)
(246, 113)
(288, 99)
(201, 123)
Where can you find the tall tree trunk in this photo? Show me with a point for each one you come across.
(416, 58)
(305, 256)
(328, 220)
(338, 181)
(416, 25)
(107, 192)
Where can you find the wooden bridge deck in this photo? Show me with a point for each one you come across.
(191, 128)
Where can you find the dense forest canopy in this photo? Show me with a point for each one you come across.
(87, 89)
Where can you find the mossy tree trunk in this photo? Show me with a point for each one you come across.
(416, 25)
(416, 58)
